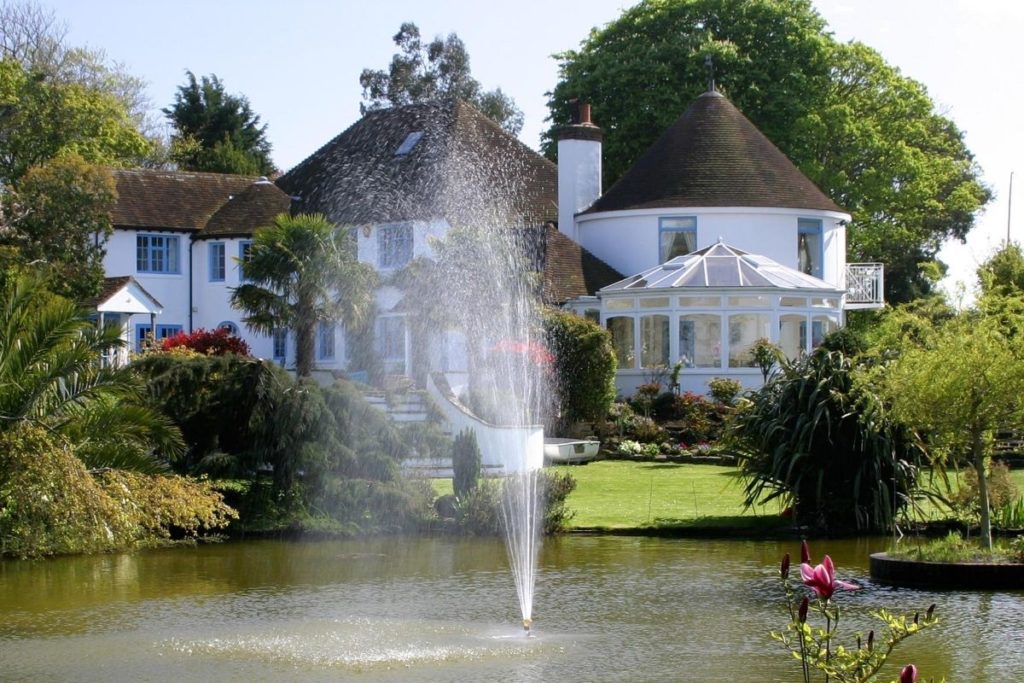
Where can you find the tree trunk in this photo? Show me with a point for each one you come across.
(978, 456)
(305, 340)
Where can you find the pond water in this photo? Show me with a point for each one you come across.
(440, 609)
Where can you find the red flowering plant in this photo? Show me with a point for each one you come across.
(207, 342)
(818, 649)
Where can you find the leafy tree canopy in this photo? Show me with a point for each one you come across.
(437, 70)
(41, 118)
(1003, 272)
(216, 131)
(868, 136)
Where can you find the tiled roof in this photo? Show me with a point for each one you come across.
(179, 200)
(463, 167)
(255, 207)
(713, 156)
(570, 270)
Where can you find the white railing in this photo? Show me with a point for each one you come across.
(865, 285)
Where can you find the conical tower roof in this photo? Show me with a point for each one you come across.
(713, 156)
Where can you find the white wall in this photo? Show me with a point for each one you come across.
(170, 289)
(629, 240)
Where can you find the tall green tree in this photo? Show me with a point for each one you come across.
(59, 219)
(301, 271)
(957, 382)
(216, 131)
(867, 135)
(1003, 272)
(437, 70)
(50, 376)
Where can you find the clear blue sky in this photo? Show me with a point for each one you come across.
(299, 62)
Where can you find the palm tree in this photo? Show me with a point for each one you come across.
(300, 272)
(51, 375)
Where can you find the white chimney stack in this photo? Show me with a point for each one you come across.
(579, 168)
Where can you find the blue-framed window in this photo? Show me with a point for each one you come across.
(280, 337)
(231, 327)
(162, 332)
(244, 251)
(157, 254)
(217, 261)
(325, 341)
(677, 236)
(810, 247)
(394, 245)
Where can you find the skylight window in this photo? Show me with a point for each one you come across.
(410, 141)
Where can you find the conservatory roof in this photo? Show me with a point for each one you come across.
(721, 266)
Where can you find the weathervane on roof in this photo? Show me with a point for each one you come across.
(710, 64)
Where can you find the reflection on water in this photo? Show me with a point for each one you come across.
(607, 609)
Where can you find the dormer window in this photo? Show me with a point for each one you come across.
(809, 247)
(677, 237)
(410, 141)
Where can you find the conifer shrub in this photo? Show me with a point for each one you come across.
(583, 371)
(466, 461)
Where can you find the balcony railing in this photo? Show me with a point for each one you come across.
(865, 285)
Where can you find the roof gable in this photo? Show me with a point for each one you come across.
(713, 156)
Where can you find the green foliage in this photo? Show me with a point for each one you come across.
(50, 375)
(766, 355)
(809, 435)
(54, 218)
(309, 458)
(726, 390)
(583, 373)
(437, 70)
(50, 504)
(300, 272)
(867, 135)
(1002, 493)
(1003, 272)
(44, 119)
(950, 548)
(215, 131)
(957, 381)
(477, 512)
(556, 487)
(465, 463)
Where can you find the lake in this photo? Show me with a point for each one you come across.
(442, 609)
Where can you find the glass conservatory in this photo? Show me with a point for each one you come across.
(707, 309)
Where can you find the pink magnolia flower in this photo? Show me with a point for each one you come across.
(822, 578)
(909, 674)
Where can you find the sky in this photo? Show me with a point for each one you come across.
(299, 62)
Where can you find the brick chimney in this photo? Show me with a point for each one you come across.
(579, 167)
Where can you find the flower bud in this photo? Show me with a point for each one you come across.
(917, 617)
(784, 568)
(805, 553)
(930, 612)
(802, 613)
(909, 674)
(871, 640)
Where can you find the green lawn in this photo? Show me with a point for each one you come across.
(617, 494)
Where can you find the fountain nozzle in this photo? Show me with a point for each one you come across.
(527, 623)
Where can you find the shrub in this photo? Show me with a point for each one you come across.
(810, 436)
(725, 390)
(583, 376)
(208, 342)
(477, 510)
(647, 430)
(1002, 492)
(50, 504)
(630, 447)
(765, 355)
(643, 399)
(557, 487)
(701, 419)
(465, 463)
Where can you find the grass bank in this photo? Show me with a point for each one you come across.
(617, 495)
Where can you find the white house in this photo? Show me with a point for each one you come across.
(726, 242)
(712, 240)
